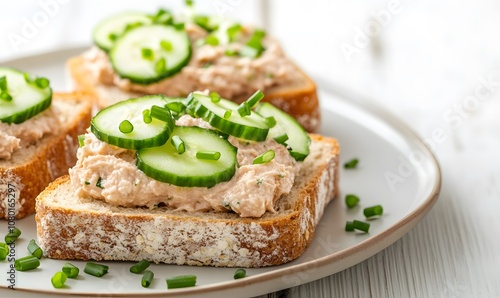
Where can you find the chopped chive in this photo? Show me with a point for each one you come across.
(233, 31)
(147, 54)
(179, 26)
(166, 45)
(27, 263)
(3, 83)
(255, 98)
(27, 77)
(244, 109)
(254, 47)
(240, 273)
(204, 22)
(81, 140)
(189, 2)
(177, 107)
(349, 227)
(376, 210)
(95, 269)
(161, 66)
(146, 117)
(178, 144)
(351, 200)
(34, 249)
(4, 251)
(132, 26)
(231, 52)
(181, 281)
(5, 96)
(247, 51)
(70, 270)
(113, 36)
(351, 164)
(271, 121)
(147, 278)
(264, 157)
(208, 155)
(140, 266)
(281, 139)
(160, 113)
(212, 40)
(361, 225)
(126, 126)
(12, 236)
(58, 280)
(99, 183)
(214, 97)
(227, 114)
(163, 17)
(259, 33)
(42, 83)
(87, 183)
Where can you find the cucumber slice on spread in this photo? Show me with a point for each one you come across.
(166, 165)
(25, 99)
(147, 54)
(298, 139)
(106, 124)
(252, 127)
(109, 30)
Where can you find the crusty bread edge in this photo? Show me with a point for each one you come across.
(234, 242)
(243, 242)
(54, 156)
(299, 101)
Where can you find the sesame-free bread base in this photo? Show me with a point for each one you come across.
(30, 170)
(299, 98)
(72, 227)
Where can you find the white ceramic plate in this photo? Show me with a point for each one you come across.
(396, 170)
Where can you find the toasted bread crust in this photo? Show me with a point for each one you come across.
(299, 100)
(55, 154)
(98, 231)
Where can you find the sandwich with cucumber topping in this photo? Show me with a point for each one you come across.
(136, 54)
(197, 181)
(38, 138)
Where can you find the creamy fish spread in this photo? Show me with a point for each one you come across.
(14, 137)
(110, 173)
(209, 68)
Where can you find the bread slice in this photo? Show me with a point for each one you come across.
(298, 99)
(72, 227)
(30, 170)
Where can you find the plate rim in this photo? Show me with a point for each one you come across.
(366, 248)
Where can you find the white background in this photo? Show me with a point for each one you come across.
(423, 60)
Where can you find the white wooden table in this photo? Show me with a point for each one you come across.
(425, 62)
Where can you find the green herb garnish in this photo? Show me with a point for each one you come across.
(351, 164)
(182, 281)
(208, 155)
(264, 157)
(351, 200)
(126, 127)
(376, 210)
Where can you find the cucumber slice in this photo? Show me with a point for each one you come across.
(106, 124)
(298, 139)
(166, 165)
(27, 100)
(110, 29)
(252, 127)
(150, 53)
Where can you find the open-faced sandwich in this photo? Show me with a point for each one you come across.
(197, 180)
(38, 138)
(136, 54)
